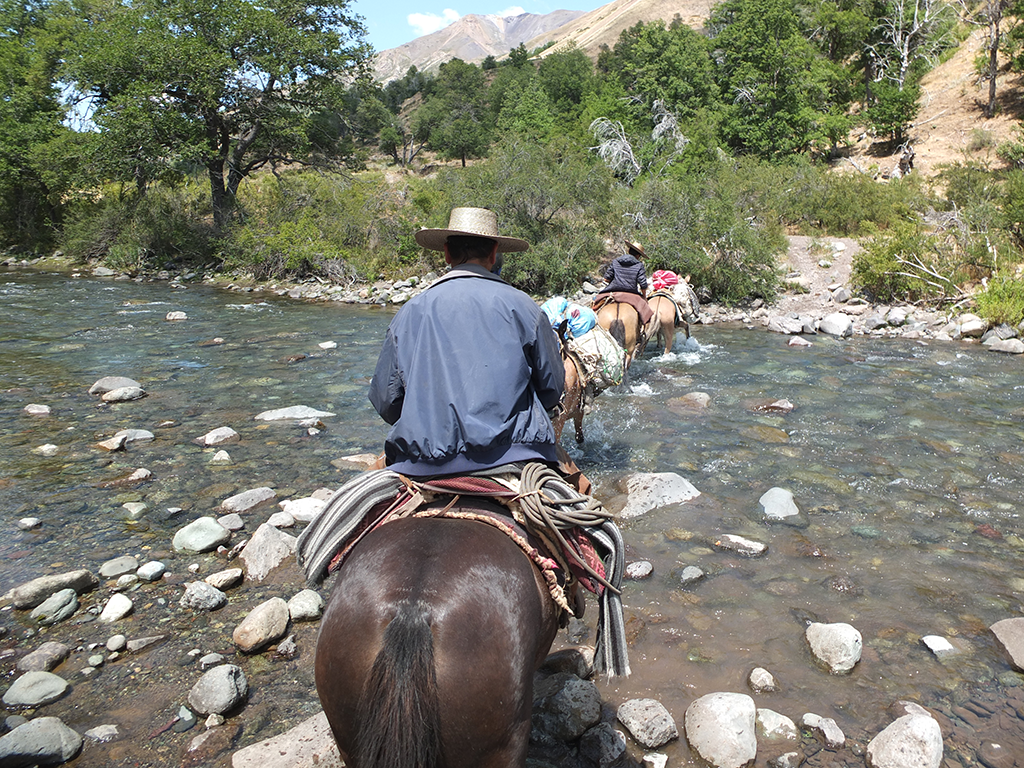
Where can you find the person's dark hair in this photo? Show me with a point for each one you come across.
(463, 248)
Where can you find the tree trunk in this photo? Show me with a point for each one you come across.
(995, 16)
(218, 195)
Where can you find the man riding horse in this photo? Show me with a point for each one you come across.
(621, 305)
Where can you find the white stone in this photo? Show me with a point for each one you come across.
(837, 645)
(117, 607)
(248, 500)
(938, 645)
(775, 727)
(46, 449)
(219, 436)
(176, 315)
(293, 412)
(778, 504)
(720, 728)
(266, 550)
(649, 491)
(836, 324)
(34, 409)
(308, 744)
(304, 510)
(328, 345)
(911, 741)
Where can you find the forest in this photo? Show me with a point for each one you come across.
(252, 139)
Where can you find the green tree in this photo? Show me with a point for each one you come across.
(227, 84)
(37, 155)
(456, 116)
(527, 113)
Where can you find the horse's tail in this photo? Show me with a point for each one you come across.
(399, 709)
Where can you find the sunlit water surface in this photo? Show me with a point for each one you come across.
(904, 457)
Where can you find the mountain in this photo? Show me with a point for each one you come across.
(472, 38)
(602, 26)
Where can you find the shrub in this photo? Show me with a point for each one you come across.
(1002, 301)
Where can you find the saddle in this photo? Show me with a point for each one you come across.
(635, 300)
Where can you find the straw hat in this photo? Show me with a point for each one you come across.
(475, 222)
(632, 245)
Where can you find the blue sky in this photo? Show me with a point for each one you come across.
(390, 23)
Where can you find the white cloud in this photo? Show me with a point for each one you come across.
(425, 23)
(514, 10)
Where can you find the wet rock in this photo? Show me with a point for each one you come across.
(604, 747)
(691, 574)
(730, 542)
(47, 450)
(785, 324)
(306, 605)
(648, 722)
(639, 570)
(1007, 346)
(773, 726)
(266, 550)
(263, 625)
(799, 341)
(57, 607)
(207, 746)
(1010, 634)
(111, 569)
(993, 755)
(135, 509)
(844, 585)
(786, 760)
(232, 522)
(211, 660)
(912, 741)
(151, 571)
(939, 646)
(116, 643)
(281, 520)
(117, 607)
(246, 501)
(838, 646)
(42, 741)
(720, 728)
(110, 383)
(35, 688)
(761, 680)
(287, 648)
(103, 733)
(578, 661)
(219, 436)
(113, 444)
(294, 412)
(45, 658)
(647, 491)
(226, 579)
(123, 395)
(201, 535)
(175, 315)
(303, 510)
(200, 596)
(836, 324)
(219, 690)
(306, 745)
(826, 728)
(135, 435)
(34, 409)
(565, 707)
(777, 505)
(774, 406)
(34, 592)
(221, 457)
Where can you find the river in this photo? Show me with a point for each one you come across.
(904, 458)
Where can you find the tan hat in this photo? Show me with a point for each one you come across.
(474, 222)
(633, 245)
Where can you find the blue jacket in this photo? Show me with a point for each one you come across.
(466, 375)
(625, 273)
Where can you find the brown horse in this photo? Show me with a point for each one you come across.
(572, 402)
(662, 325)
(428, 647)
(622, 321)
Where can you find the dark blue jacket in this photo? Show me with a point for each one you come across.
(467, 373)
(625, 273)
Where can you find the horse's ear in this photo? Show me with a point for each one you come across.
(562, 327)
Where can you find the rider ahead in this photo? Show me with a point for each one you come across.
(470, 367)
(626, 273)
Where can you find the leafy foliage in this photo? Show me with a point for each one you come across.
(1002, 301)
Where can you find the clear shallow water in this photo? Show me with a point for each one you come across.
(906, 459)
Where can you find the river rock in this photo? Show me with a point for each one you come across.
(123, 395)
(267, 549)
(761, 680)
(232, 522)
(135, 509)
(1007, 346)
(263, 625)
(777, 505)
(565, 706)
(28, 523)
(35, 688)
(773, 726)
(200, 596)
(175, 315)
(137, 644)
(219, 690)
(648, 722)
(45, 658)
(720, 728)
(281, 520)
(303, 510)
(110, 383)
(911, 741)
(825, 727)
(219, 436)
(730, 542)
(117, 607)
(229, 577)
(939, 646)
(1010, 634)
(151, 571)
(838, 646)
(103, 733)
(577, 660)
(294, 412)
(57, 607)
(247, 501)
(116, 643)
(647, 491)
(46, 450)
(113, 444)
(135, 435)
(836, 324)
(221, 457)
(306, 605)
(785, 324)
(308, 744)
(639, 570)
(971, 326)
(42, 741)
(201, 535)
(34, 592)
(34, 409)
(119, 566)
